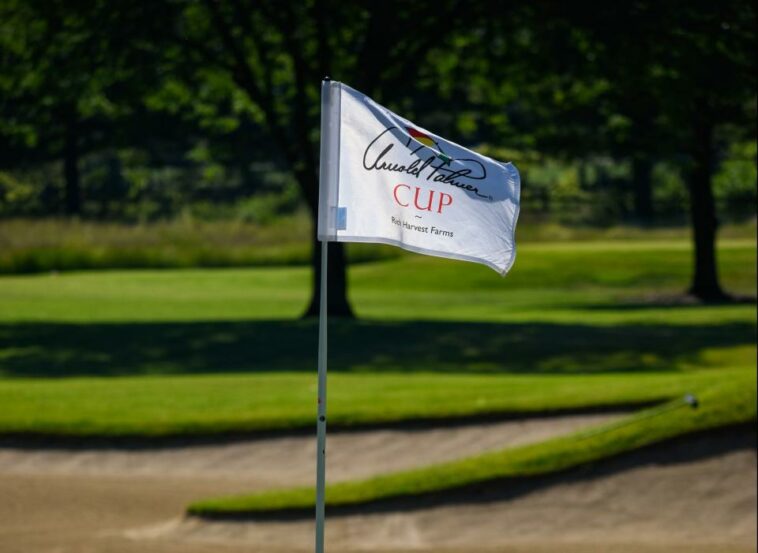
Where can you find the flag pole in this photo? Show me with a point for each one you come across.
(321, 424)
(324, 175)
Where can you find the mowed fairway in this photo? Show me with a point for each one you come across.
(202, 351)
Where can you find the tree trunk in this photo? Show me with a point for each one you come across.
(705, 282)
(73, 194)
(299, 153)
(642, 173)
(336, 282)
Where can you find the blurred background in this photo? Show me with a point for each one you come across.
(200, 119)
(158, 192)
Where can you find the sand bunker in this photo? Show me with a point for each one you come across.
(709, 504)
(697, 495)
(290, 461)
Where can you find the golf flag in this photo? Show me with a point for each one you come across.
(387, 180)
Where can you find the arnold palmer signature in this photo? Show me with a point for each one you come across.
(377, 157)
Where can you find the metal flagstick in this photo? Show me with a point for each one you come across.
(321, 424)
(325, 173)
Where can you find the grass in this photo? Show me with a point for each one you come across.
(60, 350)
(576, 325)
(33, 246)
(594, 282)
(45, 245)
(199, 351)
(212, 404)
(724, 401)
(420, 314)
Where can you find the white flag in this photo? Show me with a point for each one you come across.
(387, 180)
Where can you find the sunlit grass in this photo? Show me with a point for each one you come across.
(235, 358)
(589, 282)
(33, 246)
(576, 325)
(43, 245)
(725, 400)
(208, 404)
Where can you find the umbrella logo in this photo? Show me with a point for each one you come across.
(429, 142)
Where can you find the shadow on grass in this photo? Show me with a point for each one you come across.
(664, 301)
(59, 350)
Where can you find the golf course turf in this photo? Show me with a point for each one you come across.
(576, 326)
(719, 406)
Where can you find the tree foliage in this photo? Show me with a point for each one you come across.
(209, 88)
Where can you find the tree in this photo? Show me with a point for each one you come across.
(276, 54)
(645, 80)
(699, 76)
(72, 74)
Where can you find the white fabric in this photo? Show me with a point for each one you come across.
(392, 182)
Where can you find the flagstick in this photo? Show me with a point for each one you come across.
(321, 424)
(327, 185)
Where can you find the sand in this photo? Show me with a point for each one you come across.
(290, 461)
(699, 497)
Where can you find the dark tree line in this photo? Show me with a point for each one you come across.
(641, 81)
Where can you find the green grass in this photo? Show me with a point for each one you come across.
(224, 351)
(207, 404)
(576, 325)
(534, 350)
(725, 399)
(45, 245)
(567, 308)
(593, 283)
(33, 246)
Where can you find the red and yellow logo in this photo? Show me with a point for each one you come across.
(429, 142)
(425, 139)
